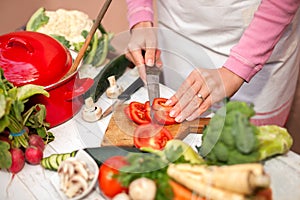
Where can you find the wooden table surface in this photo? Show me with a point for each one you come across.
(33, 182)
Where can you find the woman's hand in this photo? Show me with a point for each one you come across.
(201, 89)
(143, 38)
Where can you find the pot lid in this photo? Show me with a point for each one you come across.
(32, 57)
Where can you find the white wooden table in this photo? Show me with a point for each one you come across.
(33, 182)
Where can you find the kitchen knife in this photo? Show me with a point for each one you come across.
(100, 154)
(124, 96)
(152, 77)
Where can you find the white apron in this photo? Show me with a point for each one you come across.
(201, 33)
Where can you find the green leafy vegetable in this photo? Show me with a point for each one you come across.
(15, 118)
(230, 138)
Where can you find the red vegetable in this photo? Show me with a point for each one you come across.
(18, 160)
(160, 104)
(37, 141)
(162, 112)
(33, 155)
(151, 135)
(138, 113)
(108, 184)
(162, 117)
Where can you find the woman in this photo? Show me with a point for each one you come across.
(253, 47)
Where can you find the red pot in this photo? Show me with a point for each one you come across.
(32, 57)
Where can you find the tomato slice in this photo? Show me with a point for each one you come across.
(127, 112)
(108, 184)
(162, 117)
(138, 113)
(151, 135)
(148, 110)
(160, 104)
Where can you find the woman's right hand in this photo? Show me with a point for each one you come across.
(143, 38)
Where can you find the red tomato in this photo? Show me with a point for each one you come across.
(151, 135)
(138, 113)
(148, 110)
(162, 117)
(108, 184)
(159, 104)
(127, 112)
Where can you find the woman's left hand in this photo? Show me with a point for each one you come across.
(201, 89)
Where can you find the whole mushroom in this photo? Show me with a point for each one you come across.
(142, 188)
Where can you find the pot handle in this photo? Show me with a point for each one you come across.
(80, 87)
(19, 42)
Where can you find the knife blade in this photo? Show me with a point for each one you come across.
(124, 96)
(152, 77)
(100, 154)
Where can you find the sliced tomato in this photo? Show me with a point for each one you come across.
(148, 110)
(127, 112)
(160, 104)
(162, 117)
(108, 184)
(138, 113)
(151, 135)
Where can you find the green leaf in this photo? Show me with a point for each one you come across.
(5, 156)
(4, 122)
(26, 91)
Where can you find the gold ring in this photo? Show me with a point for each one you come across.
(200, 96)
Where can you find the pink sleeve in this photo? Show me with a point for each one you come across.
(139, 11)
(259, 39)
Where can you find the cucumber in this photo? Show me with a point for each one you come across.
(53, 161)
(116, 67)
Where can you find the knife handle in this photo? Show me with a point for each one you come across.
(131, 89)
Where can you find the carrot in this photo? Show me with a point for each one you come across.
(182, 193)
(264, 194)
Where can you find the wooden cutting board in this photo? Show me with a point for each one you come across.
(120, 129)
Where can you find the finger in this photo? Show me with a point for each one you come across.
(203, 107)
(189, 110)
(158, 59)
(138, 58)
(142, 73)
(186, 96)
(150, 56)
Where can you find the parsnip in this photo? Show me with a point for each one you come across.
(235, 180)
(203, 189)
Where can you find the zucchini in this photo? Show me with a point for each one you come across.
(115, 68)
(53, 161)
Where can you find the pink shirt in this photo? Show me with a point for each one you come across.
(256, 44)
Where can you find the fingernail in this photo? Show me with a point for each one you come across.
(168, 102)
(178, 119)
(150, 62)
(172, 113)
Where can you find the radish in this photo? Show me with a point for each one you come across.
(18, 160)
(37, 141)
(33, 155)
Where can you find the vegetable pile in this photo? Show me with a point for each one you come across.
(71, 27)
(230, 138)
(178, 172)
(23, 130)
